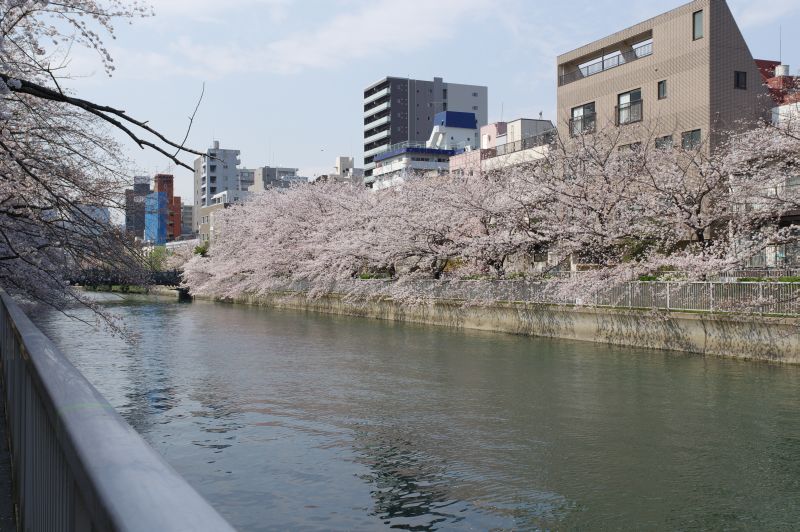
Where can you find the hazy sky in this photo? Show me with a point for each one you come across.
(284, 78)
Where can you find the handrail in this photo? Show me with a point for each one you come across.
(534, 141)
(582, 124)
(628, 113)
(704, 296)
(606, 63)
(77, 465)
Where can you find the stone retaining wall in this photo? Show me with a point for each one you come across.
(745, 337)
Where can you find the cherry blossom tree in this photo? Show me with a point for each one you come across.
(60, 165)
(614, 210)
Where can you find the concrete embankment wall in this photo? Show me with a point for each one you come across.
(745, 337)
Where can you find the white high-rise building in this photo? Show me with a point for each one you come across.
(215, 172)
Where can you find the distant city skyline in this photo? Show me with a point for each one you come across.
(284, 79)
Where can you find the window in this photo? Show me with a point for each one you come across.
(582, 119)
(444, 106)
(444, 94)
(690, 140)
(212, 168)
(475, 94)
(634, 146)
(629, 107)
(474, 107)
(697, 25)
(662, 89)
(663, 143)
(740, 80)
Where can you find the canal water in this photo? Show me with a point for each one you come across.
(290, 420)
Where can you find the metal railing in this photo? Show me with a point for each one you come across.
(768, 298)
(77, 465)
(535, 141)
(766, 273)
(606, 63)
(628, 113)
(582, 124)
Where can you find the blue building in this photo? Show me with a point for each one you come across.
(156, 218)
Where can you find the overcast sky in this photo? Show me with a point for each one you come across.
(284, 78)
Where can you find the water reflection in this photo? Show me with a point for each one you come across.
(287, 420)
(410, 489)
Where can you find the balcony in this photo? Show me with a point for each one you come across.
(377, 109)
(376, 123)
(380, 149)
(606, 63)
(542, 139)
(377, 136)
(377, 95)
(582, 124)
(628, 113)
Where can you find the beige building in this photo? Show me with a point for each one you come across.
(207, 216)
(683, 75)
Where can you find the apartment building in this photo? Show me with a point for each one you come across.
(187, 219)
(505, 144)
(265, 177)
(214, 172)
(134, 205)
(686, 75)
(402, 110)
(785, 91)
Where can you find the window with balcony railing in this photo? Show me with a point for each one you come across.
(583, 119)
(629, 107)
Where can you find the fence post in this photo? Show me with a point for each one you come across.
(668, 295)
(711, 296)
(630, 294)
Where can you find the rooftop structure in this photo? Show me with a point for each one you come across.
(265, 177)
(505, 144)
(453, 132)
(344, 171)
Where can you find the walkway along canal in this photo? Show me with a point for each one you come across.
(285, 419)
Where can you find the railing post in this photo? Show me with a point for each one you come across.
(711, 296)
(668, 295)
